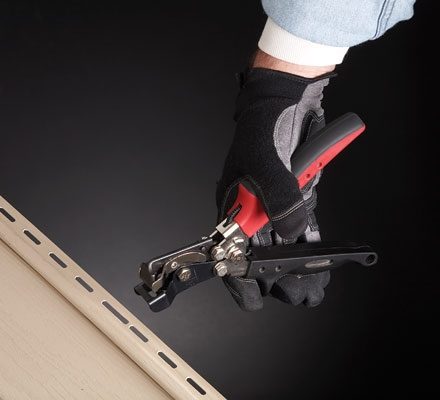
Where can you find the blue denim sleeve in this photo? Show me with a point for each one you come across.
(341, 23)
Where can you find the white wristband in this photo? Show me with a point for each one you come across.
(285, 46)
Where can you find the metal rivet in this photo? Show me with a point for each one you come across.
(174, 265)
(184, 274)
(218, 253)
(220, 269)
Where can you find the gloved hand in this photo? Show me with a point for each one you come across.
(276, 112)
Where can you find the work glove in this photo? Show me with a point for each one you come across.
(275, 113)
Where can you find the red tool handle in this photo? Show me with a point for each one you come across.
(306, 162)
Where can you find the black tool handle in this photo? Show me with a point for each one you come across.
(269, 263)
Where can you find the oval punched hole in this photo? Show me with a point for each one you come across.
(84, 284)
(7, 215)
(196, 386)
(60, 262)
(139, 334)
(164, 357)
(261, 270)
(31, 236)
(325, 262)
(115, 312)
(278, 268)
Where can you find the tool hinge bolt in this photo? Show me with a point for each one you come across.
(184, 274)
(235, 254)
(220, 269)
(218, 253)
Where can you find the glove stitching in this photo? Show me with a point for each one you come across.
(253, 281)
(289, 211)
(298, 276)
(261, 238)
(282, 276)
(234, 293)
(311, 202)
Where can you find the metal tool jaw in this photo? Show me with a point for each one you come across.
(223, 252)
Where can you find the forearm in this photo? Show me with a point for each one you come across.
(264, 60)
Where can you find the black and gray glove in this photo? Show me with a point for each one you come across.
(276, 112)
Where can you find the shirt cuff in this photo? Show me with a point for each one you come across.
(281, 44)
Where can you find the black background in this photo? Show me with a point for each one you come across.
(114, 122)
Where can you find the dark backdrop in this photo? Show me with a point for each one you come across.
(114, 122)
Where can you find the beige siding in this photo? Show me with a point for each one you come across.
(59, 341)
